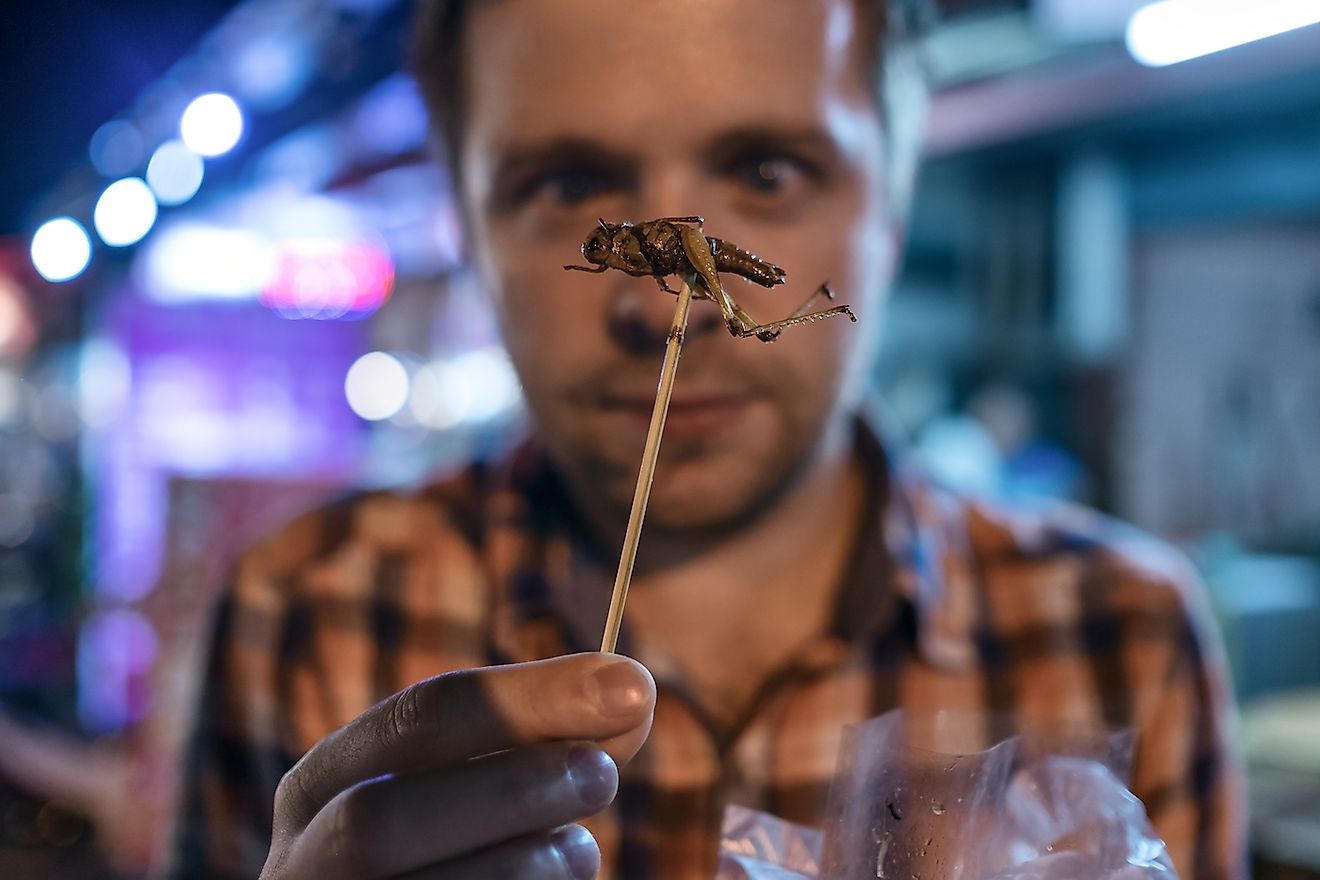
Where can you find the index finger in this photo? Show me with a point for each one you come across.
(473, 712)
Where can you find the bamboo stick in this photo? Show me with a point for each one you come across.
(642, 494)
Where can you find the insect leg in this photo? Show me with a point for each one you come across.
(698, 288)
(770, 332)
(703, 261)
(823, 290)
(697, 220)
(595, 270)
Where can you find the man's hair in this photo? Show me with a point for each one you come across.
(898, 79)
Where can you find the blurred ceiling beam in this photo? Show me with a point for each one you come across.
(1077, 92)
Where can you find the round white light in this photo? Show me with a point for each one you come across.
(174, 173)
(61, 249)
(437, 399)
(376, 386)
(474, 387)
(495, 386)
(125, 212)
(211, 125)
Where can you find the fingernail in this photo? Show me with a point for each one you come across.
(593, 775)
(579, 851)
(617, 688)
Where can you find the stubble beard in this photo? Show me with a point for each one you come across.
(695, 499)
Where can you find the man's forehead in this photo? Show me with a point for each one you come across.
(553, 69)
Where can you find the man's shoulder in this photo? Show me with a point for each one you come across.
(361, 527)
(1060, 552)
(1052, 554)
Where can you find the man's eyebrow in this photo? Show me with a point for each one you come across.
(560, 152)
(803, 137)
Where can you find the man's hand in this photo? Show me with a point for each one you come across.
(474, 774)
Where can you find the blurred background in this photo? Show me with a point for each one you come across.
(230, 287)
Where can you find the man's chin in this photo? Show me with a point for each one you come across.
(707, 496)
(706, 483)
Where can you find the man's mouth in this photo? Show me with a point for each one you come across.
(690, 415)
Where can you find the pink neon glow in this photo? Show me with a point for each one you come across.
(329, 279)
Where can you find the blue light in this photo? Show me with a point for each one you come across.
(125, 212)
(175, 173)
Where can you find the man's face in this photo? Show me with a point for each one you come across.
(755, 115)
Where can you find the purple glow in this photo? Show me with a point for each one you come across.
(328, 279)
(216, 393)
(115, 651)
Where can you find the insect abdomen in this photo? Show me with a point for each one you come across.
(731, 258)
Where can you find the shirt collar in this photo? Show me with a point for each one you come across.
(915, 547)
(922, 535)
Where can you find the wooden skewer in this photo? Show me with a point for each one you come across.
(642, 493)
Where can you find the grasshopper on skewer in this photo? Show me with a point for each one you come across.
(677, 246)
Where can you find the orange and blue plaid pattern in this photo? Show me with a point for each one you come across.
(1039, 618)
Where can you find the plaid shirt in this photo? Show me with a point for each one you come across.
(1057, 617)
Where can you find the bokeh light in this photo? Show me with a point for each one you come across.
(187, 262)
(328, 278)
(377, 386)
(104, 382)
(272, 68)
(61, 249)
(125, 212)
(115, 651)
(474, 387)
(175, 173)
(1171, 31)
(116, 148)
(17, 329)
(212, 124)
(490, 375)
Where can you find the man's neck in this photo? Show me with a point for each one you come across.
(824, 503)
(753, 598)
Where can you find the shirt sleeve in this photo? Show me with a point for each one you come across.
(235, 756)
(346, 605)
(1186, 770)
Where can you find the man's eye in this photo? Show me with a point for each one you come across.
(767, 174)
(572, 186)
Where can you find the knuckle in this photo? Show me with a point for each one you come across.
(405, 713)
(291, 793)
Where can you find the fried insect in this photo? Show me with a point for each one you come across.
(678, 246)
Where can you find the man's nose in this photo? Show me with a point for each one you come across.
(640, 315)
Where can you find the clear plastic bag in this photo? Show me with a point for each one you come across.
(1073, 818)
(758, 846)
(908, 803)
